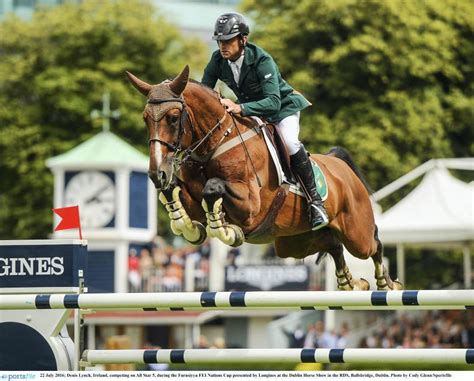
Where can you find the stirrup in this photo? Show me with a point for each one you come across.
(323, 217)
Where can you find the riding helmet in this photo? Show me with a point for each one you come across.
(230, 25)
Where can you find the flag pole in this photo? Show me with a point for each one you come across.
(69, 219)
(80, 228)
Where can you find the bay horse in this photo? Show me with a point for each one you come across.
(216, 179)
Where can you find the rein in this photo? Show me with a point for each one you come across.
(247, 153)
(182, 155)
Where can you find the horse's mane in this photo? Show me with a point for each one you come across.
(212, 92)
(245, 120)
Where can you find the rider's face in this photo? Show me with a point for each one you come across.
(231, 49)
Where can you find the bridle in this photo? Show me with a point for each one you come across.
(181, 155)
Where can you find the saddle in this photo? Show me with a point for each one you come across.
(284, 157)
(281, 159)
(279, 153)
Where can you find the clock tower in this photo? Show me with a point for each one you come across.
(108, 179)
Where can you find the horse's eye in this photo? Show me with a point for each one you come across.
(172, 119)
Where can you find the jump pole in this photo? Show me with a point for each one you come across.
(276, 356)
(176, 301)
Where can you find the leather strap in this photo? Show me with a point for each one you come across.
(268, 223)
(235, 142)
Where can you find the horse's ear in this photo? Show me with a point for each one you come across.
(179, 83)
(141, 86)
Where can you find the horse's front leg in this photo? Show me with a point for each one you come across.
(217, 227)
(181, 224)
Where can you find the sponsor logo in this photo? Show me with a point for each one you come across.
(31, 266)
(266, 277)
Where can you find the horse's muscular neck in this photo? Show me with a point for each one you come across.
(205, 111)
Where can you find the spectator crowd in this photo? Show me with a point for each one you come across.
(429, 329)
(160, 267)
(315, 336)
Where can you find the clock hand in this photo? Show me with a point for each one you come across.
(95, 196)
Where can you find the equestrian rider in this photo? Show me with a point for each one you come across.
(252, 74)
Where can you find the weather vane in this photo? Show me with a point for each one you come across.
(106, 114)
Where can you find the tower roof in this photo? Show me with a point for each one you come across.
(104, 150)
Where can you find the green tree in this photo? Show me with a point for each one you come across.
(53, 71)
(390, 80)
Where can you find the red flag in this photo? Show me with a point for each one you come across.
(70, 218)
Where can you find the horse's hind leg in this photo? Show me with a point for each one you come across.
(384, 282)
(322, 241)
(344, 277)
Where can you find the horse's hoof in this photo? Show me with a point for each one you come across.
(199, 229)
(361, 285)
(239, 236)
(346, 287)
(397, 285)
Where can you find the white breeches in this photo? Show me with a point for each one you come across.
(289, 129)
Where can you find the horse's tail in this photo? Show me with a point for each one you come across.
(343, 154)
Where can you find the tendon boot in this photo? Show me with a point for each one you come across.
(301, 164)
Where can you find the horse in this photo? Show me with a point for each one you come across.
(216, 178)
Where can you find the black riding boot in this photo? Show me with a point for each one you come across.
(301, 164)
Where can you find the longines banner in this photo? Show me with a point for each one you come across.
(267, 278)
(41, 263)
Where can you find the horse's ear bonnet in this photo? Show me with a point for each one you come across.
(164, 95)
(179, 83)
(141, 86)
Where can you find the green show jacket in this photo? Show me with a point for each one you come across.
(261, 90)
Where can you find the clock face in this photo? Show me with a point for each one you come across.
(94, 192)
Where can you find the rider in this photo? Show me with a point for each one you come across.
(252, 74)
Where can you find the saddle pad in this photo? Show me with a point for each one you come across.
(321, 183)
(320, 179)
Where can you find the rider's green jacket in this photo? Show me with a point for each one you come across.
(261, 90)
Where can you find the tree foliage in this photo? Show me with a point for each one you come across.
(390, 80)
(53, 71)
